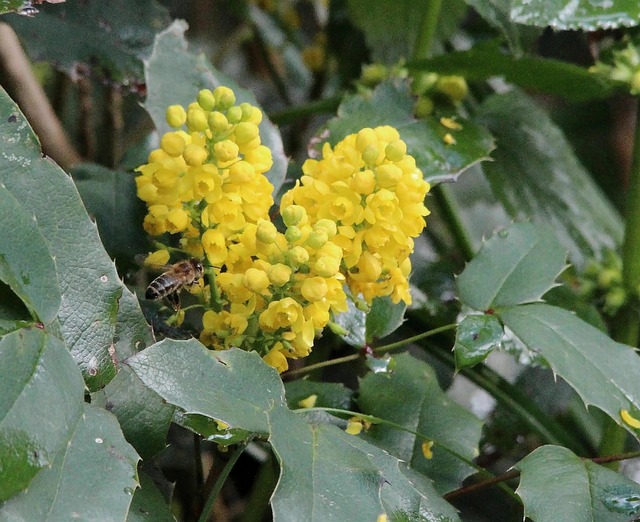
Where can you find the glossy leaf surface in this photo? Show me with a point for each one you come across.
(556, 485)
(517, 265)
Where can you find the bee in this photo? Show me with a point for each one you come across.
(168, 284)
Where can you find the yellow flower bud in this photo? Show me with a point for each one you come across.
(245, 132)
(234, 114)
(370, 155)
(293, 215)
(395, 150)
(256, 280)
(455, 87)
(293, 234)
(327, 226)
(217, 121)
(326, 266)
(194, 155)
(423, 107)
(298, 256)
(366, 138)
(197, 120)
(279, 274)
(225, 151)
(176, 116)
(172, 143)
(247, 111)
(314, 288)
(267, 231)
(224, 96)
(374, 73)
(316, 239)
(241, 172)
(206, 100)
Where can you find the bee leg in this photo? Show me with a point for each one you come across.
(174, 300)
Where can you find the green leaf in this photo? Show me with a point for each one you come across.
(279, 43)
(42, 400)
(108, 39)
(232, 386)
(327, 474)
(496, 13)
(476, 337)
(557, 485)
(586, 15)
(26, 264)
(391, 104)
(92, 478)
(603, 372)
(384, 318)
(148, 504)
(544, 75)
(517, 265)
(110, 198)
(133, 334)
(424, 409)
(143, 415)
(353, 322)
(391, 28)
(329, 394)
(533, 170)
(170, 60)
(88, 281)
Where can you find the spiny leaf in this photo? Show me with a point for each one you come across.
(517, 265)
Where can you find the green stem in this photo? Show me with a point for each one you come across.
(199, 471)
(217, 487)
(414, 338)
(379, 349)
(631, 245)
(625, 326)
(451, 215)
(292, 114)
(427, 30)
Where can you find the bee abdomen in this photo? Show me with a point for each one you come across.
(160, 287)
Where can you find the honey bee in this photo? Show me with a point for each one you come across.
(168, 284)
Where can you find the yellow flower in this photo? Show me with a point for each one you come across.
(280, 314)
(276, 359)
(214, 245)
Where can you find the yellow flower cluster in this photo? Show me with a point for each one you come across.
(374, 193)
(281, 289)
(207, 181)
(350, 222)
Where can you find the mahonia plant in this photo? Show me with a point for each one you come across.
(349, 225)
